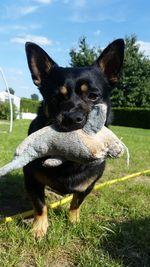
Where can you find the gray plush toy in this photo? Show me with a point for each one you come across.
(93, 143)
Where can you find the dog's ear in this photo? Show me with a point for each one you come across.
(111, 59)
(39, 62)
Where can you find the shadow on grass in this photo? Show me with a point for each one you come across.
(130, 243)
(13, 197)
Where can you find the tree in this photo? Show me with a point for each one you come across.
(34, 97)
(85, 55)
(12, 91)
(133, 90)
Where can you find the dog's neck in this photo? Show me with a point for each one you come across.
(96, 119)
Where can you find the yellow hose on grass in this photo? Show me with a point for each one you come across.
(67, 199)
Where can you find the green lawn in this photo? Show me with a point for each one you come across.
(4, 126)
(115, 221)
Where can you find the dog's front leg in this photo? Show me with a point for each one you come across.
(40, 223)
(36, 192)
(78, 198)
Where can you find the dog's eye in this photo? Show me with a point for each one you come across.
(93, 96)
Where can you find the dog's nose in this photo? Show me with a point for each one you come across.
(74, 118)
(77, 118)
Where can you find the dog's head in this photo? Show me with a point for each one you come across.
(70, 93)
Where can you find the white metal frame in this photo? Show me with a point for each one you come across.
(10, 100)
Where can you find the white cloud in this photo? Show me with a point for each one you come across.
(144, 47)
(27, 10)
(97, 33)
(41, 40)
(77, 18)
(18, 27)
(14, 71)
(77, 4)
(44, 1)
(26, 27)
(85, 17)
(15, 11)
(66, 1)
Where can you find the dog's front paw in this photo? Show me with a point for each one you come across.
(40, 226)
(74, 215)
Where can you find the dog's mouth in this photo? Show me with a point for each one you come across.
(70, 123)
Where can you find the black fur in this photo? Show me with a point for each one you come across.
(67, 104)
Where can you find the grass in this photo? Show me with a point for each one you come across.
(4, 126)
(115, 221)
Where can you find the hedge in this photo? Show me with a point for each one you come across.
(132, 117)
(5, 111)
(29, 105)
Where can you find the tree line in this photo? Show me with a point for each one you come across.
(133, 89)
(33, 96)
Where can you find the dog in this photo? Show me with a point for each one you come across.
(69, 94)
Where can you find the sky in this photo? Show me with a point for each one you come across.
(57, 25)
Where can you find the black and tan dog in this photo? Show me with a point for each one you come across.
(69, 94)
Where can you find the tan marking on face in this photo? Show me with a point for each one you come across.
(63, 90)
(84, 88)
(40, 224)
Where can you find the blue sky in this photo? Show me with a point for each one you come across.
(57, 25)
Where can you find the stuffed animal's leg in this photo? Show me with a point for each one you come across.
(16, 163)
(36, 192)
